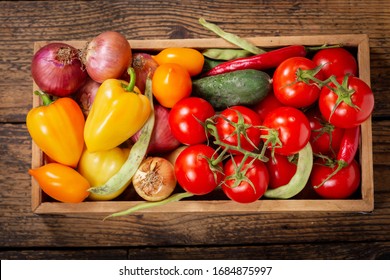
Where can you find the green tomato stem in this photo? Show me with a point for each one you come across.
(340, 165)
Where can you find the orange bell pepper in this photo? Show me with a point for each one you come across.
(117, 113)
(57, 128)
(61, 182)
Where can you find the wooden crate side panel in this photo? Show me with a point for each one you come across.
(217, 206)
(366, 153)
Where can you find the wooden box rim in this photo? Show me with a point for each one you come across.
(364, 204)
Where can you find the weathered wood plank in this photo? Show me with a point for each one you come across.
(300, 251)
(64, 254)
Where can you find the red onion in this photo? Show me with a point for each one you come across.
(162, 140)
(144, 65)
(57, 70)
(107, 56)
(86, 95)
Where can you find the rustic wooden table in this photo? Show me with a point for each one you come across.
(24, 235)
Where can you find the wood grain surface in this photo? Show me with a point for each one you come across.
(24, 235)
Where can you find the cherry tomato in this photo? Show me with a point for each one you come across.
(241, 125)
(171, 83)
(247, 184)
(325, 138)
(291, 87)
(341, 185)
(269, 103)
(292, 128)
(336, 61)
(185, 118)
(280, 170)
(334, 103)
(194, 172)
(192, 60)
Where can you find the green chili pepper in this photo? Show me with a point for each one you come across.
(226, 54)
(300, 178)
(232, 38)
(136, 155)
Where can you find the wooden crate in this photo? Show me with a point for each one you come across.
(363, 203)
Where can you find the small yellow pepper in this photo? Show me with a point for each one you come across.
(57, 128)
(61, 182)
(117, 113)
(99, 167)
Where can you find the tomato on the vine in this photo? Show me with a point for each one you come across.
(186, 117)
(245, 182)
(339, 186)
(325, 138)
(295, 82)
(336, 61)
(239, 125)
(195, 171)
(269, 103)
(346, 102)
(171, 83)
(287, 129)
(280, 170)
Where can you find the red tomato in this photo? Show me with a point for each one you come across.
(325, 138)
(235, 129)
(193, 171)
(334, 103)
(292, 128)
(237, 186)
(336, 61)
(291, 87)
(185, 118)
(342, 185)
(280, 170)
(269, 103)
(171, 83)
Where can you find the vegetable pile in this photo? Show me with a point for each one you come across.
(181, 122)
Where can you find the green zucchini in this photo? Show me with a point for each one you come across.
(242, 87)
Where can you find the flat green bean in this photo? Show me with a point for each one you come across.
(226, 54)
(300, 178)
(232, 38)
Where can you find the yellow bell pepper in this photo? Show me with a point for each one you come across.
(57, 128)
(117, 113)
(99, 167)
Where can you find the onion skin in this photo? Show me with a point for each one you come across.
(144, 65)
(172, 156)
(57, 69)
(107, 56)
(155, 179)
(162, 140)
(86, 95)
